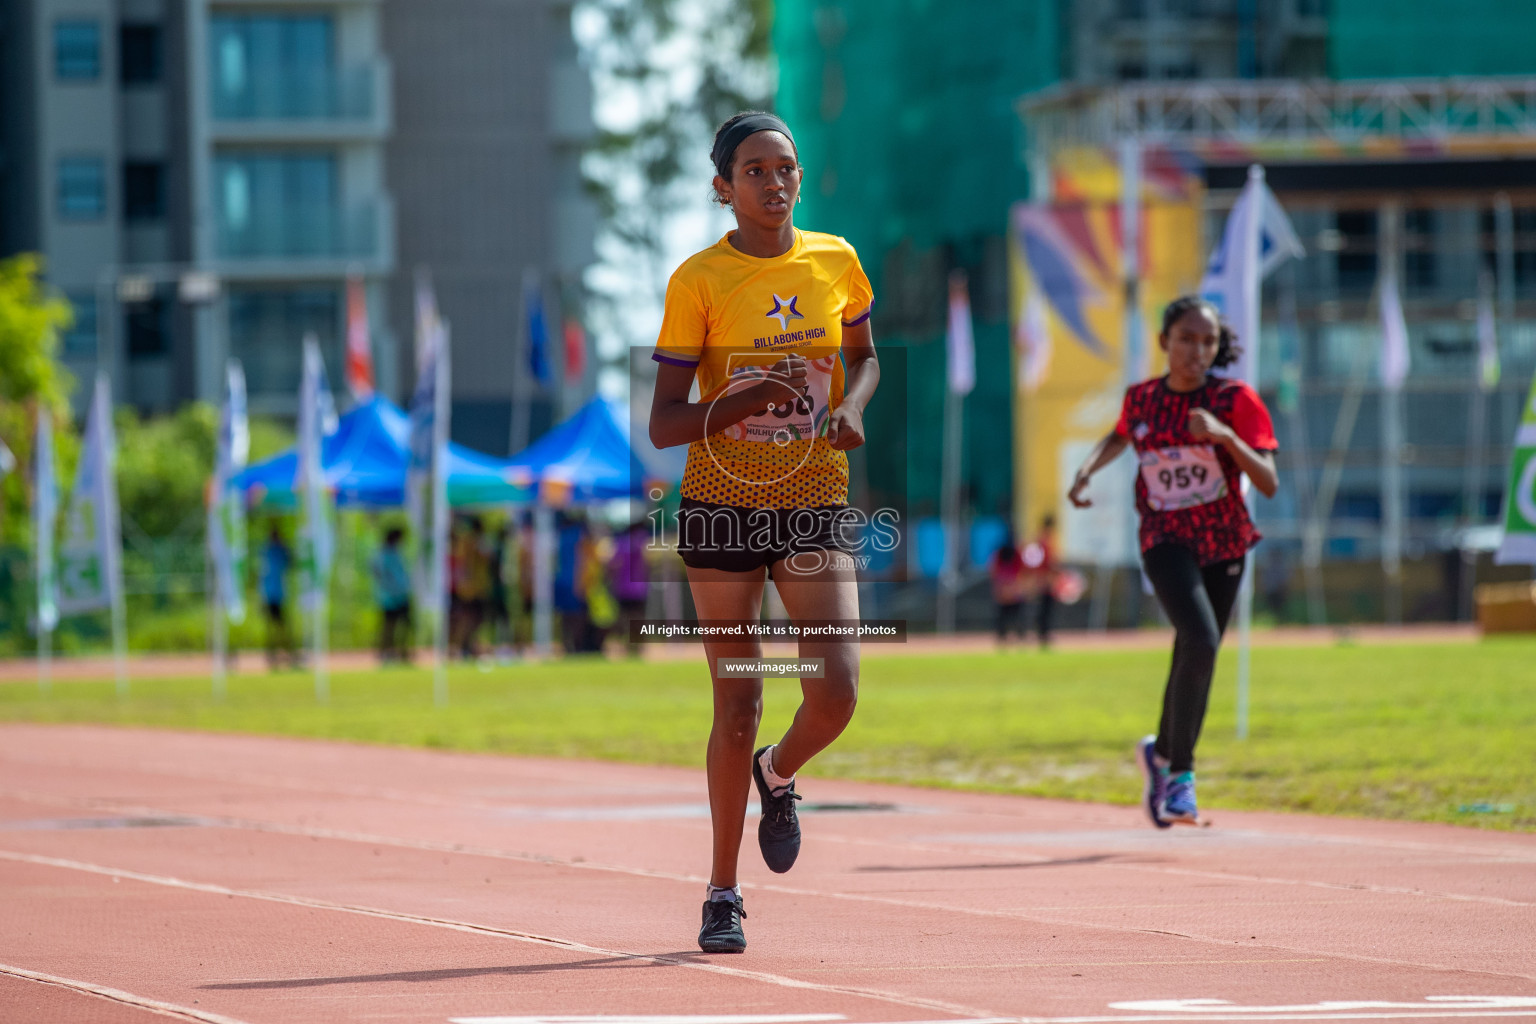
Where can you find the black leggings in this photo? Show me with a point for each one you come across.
(1198, 601)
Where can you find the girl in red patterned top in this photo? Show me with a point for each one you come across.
(1195, 436)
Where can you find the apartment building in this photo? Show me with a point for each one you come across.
(202, 177)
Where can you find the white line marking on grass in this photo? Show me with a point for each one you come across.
(119, 996)
(479, 929)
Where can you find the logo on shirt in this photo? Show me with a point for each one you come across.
(1141, 431)
(784, 311)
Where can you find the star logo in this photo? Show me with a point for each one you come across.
(784, 311)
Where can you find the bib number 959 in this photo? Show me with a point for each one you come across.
(1180, 477)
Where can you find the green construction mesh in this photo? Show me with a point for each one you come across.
(904, 115)
(1415, 38)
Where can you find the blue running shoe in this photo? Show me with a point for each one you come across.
(1154, 774)
(1179, 807)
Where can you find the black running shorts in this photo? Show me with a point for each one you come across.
(735, 539)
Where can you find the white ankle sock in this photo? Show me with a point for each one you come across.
(715, 894)
(775, 782)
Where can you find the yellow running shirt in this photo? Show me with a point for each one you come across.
(733, 316)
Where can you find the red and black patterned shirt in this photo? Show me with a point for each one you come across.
(1188, 490)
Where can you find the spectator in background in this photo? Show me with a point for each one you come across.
(498, 615)
(276, 560)
(1040, 577)
(470, 565)
(570, 578)
(1006, 569)
(392, 590)
(602, 608)
(631, 579)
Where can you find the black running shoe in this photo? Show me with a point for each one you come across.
(778, 832)
(722, 932)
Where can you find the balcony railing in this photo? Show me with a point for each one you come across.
(292, 237)
(356, 94)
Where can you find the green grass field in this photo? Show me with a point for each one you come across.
(1426, 733)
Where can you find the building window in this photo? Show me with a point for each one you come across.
(82, 188)
(149, 332)
(139, 55)
(1357, 252)
(77, 50)
(80, 338)
(1419, 242)
(143, 190)
(265, 326)
(277, 204)
(272, 66)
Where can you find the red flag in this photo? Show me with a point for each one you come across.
(575, 351)
(359, 351)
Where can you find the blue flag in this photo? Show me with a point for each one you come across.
(538, 330)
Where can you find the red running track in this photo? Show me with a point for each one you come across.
(150, 875)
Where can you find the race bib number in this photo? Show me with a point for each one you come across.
(797, 418)
(1182, 477)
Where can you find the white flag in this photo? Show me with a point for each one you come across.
(960, 342)
(91, 558)
(226, 508)
(316, 534)
(1488, 369)
(1394, 333)
(1258, 237)
(1033, 340)
(420, 497)
(45, 513)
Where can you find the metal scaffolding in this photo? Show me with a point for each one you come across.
(1345, 118)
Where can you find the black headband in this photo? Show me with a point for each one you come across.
(736, 134)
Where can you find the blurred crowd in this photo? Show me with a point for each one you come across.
(600, 581)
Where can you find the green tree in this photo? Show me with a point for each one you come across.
(31, 317)
(681, 67)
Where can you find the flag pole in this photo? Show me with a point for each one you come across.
(114, 540)
(959, 377)
(1135, 359)
(1250, 284)
(1391, 417)
(442, 409)
(44, 506)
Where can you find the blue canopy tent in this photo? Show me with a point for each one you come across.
(587, 458)
(365, 462)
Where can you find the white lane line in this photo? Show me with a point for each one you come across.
(674, 1018)
(781, 981)
(1036, 918)
(1386, 890)
(119, 996)
(1399, 1015)
(344, 835)
(1504, 853)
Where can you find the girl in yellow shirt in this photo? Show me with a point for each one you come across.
(773, 324)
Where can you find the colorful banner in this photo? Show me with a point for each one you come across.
(45, 514)
(359, 367)
(226, 506)
(958, 339)
(1068, 291)
(420, 478)
(90, 562)
(317, 418)
(1519, 544)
